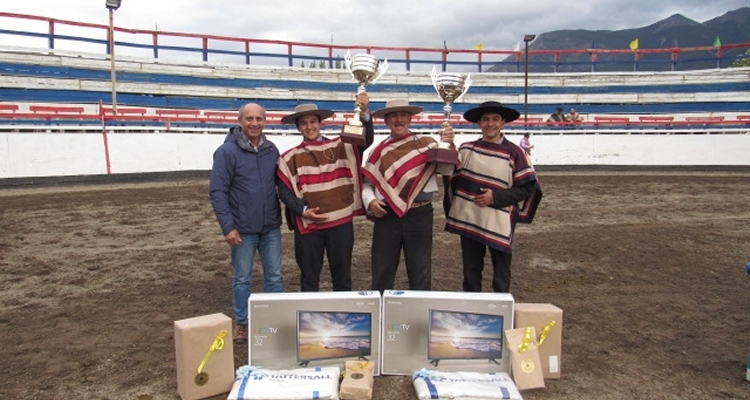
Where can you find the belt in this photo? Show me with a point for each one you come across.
(418, 204)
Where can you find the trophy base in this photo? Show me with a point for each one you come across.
(353, 134)
(442, 156)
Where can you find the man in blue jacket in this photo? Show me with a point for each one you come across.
(244, 199)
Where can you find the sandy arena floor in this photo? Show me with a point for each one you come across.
(648, 268)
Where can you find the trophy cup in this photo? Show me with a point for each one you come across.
(450, 88)
(365, 69)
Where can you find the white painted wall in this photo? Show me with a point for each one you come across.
(25, 155)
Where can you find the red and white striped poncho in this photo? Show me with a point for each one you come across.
(399, 169)
(326, 175)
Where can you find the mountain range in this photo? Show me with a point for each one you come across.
(675, 31)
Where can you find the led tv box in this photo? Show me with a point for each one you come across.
(295, 330)
(445, 331)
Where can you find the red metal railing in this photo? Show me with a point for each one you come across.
(62, 117)
(270, 52)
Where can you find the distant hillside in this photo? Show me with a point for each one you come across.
(675, 31)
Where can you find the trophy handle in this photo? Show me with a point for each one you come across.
(382, 67)
(348, 62)
(467, 84)
(433, 76)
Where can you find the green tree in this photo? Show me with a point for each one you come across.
(302, 65)
(322, 64)
(744, 61)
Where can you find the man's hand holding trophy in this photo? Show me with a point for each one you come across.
(450, 87)
(365, 69)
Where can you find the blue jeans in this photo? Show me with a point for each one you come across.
(269, 246)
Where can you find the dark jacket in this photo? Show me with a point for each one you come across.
(243, 187)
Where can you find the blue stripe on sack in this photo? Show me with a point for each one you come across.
(316, 394)
(241, 391)
(431, 387)
(505, 392)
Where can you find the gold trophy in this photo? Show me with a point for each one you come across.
(365, 69)
(450, 87)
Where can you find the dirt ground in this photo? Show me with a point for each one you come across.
(648, 268)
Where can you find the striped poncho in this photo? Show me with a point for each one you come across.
(326, 175)
(496, 166)
(399, 170)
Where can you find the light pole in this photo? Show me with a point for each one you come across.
(526, 40)
(112, 5)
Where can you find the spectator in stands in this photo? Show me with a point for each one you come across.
(243, 195)
(526, 144)
(573, 116)
(484, 211)
(399, 185)
(320, 186)
(557, 117)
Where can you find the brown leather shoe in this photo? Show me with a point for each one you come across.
(240, 333)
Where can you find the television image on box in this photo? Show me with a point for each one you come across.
(323, 335)
(457, 335)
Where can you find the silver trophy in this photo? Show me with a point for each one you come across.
(451, 88)
(365, 69)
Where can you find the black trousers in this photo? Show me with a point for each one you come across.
(337, 244)
(413, 234)
(472, 254)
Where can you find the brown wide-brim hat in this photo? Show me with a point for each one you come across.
(508, 114)
(306, 109)
(397, 105)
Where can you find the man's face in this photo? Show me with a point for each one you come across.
(491, 125)
(309, 127)
(398, 122)
(252, 121)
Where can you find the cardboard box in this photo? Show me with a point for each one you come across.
(445, 331)
(293, 330)
(205, 356)
(544, 317)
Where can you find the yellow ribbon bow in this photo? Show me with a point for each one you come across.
(218, 344)
(545, 332)
(524, 346)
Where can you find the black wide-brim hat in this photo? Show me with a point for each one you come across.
(508, 114)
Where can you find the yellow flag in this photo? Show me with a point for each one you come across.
(479, 46)
(634, 44)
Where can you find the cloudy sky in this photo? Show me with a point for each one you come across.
(461, 24)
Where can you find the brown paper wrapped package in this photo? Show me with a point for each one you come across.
(205, 356)
(358, 381)
(524, 358)
(544, 317)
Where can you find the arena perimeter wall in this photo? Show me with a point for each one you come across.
(25, 155)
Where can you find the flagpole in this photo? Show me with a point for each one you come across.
(526, 39)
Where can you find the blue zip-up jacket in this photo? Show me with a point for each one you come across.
(243, 187)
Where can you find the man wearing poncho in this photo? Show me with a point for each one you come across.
(494, 188)
(398, 189)
(320, 186)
